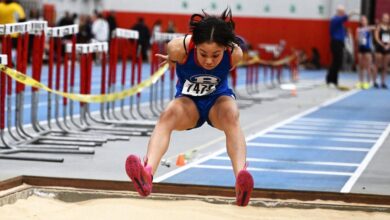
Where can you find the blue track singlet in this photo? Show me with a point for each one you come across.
(203, 86)
(365, 40)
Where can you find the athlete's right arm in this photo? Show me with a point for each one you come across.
(377, 37)
(176, 52)
(357, 37)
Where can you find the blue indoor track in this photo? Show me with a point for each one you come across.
(319, 151)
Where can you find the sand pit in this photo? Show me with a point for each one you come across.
(75, 204)
(43, 208)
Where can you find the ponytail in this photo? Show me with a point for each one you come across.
(208, 28)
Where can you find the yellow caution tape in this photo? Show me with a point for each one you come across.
(27, 80)
(283, 61)
(88, 98)
(258, 60)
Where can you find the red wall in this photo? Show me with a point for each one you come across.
(299, 33)
(382, 6)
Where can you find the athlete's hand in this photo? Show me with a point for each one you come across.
(165, 59)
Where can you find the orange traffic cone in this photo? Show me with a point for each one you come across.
(180, 160)
(294, 92)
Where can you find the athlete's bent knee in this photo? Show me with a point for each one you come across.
(229, 118)
(170, 115)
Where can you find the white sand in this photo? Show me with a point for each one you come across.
(112, 209)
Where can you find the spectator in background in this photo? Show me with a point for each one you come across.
(337, 36)
(364, 41)
(34, 15)
(85, 30)
(66, 20)
(11, 12)
(100, 27)
(171, 28)
(75, 18)
(157, 26)
(314, 62)
(111, 22)
(156, 29)
(382, 49)
(349, 52)
(100, 31)
(144, 37)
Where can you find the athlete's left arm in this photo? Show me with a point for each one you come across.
(236, 56)
(175, 52)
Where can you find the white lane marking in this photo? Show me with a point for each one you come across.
(297, 137)
(324, 133)
(315, 128)
(349, 184)
(313, 172)
(300, 115)
(271, 145)
(187, 166)
(250, 137)
(321, 163)
(337, 125)
(344, 121)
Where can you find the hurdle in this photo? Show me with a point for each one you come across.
(46, 136)
(21, 64)
(31, 141)
(252, 78)
(86, 51)
(241, 103)
(38, 32)
(6, 149)
(270, 52)
(278, 59)
(128, 40)
(157, 100)
(122, 37)
(27, 141)
(247, 93)
(56, 34)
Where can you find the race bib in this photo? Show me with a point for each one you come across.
(198, 89)
(386, 38)
(362, 39)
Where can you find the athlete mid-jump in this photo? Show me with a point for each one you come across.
(203, 61)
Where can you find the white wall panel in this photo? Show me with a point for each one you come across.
(298, 9)
(74, 6)
(307, 9)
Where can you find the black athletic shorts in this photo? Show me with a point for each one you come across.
(364, 50)
(381, 50)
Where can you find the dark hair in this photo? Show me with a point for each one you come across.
(207, 28)
(140, 20)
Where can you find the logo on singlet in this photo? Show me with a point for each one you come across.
(362, 38)
(386, 38)
(200, 85)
